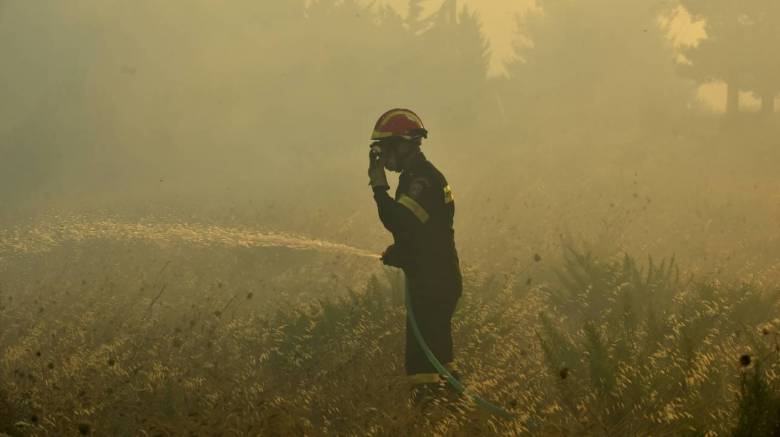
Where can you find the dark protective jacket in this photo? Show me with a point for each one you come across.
(421, 221)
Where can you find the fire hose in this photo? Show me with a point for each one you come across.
(454, 383)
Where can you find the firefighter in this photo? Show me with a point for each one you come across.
(420, 218)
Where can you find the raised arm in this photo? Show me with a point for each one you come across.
(403, 217)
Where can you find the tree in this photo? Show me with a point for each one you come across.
(451, 63)
(414, 17)
(764, 38)
(740, 37)
(593, 61)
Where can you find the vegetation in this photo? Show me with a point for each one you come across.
(607, 347)
(730, 28)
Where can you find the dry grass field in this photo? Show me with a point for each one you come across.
(117, 329)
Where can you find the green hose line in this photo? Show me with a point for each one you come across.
(495, 409)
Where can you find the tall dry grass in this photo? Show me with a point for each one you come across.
(122, 338)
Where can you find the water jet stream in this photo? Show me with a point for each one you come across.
(45, 236)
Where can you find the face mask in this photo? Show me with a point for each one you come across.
(391, 159)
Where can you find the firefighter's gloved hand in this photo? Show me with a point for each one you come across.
(376, 169)
(392, 256)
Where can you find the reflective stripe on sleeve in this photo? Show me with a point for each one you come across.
(448, 195)
(415, 207)
(423, 378)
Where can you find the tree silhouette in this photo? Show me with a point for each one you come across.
(414, 18)
(738, 35)
(764, 37)
(451, 62)
(599, 59)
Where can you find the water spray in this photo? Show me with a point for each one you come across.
(45, 236)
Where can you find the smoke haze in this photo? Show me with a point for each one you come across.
(187, 233)
(262, 112)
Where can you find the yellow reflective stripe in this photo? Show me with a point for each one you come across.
(423, 378)
(379, 135)
(415, 207)
(448, 195)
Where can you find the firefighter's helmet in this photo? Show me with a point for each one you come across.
(399, 123)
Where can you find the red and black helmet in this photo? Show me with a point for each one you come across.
(399, 123)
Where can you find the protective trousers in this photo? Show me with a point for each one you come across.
(434, 319)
